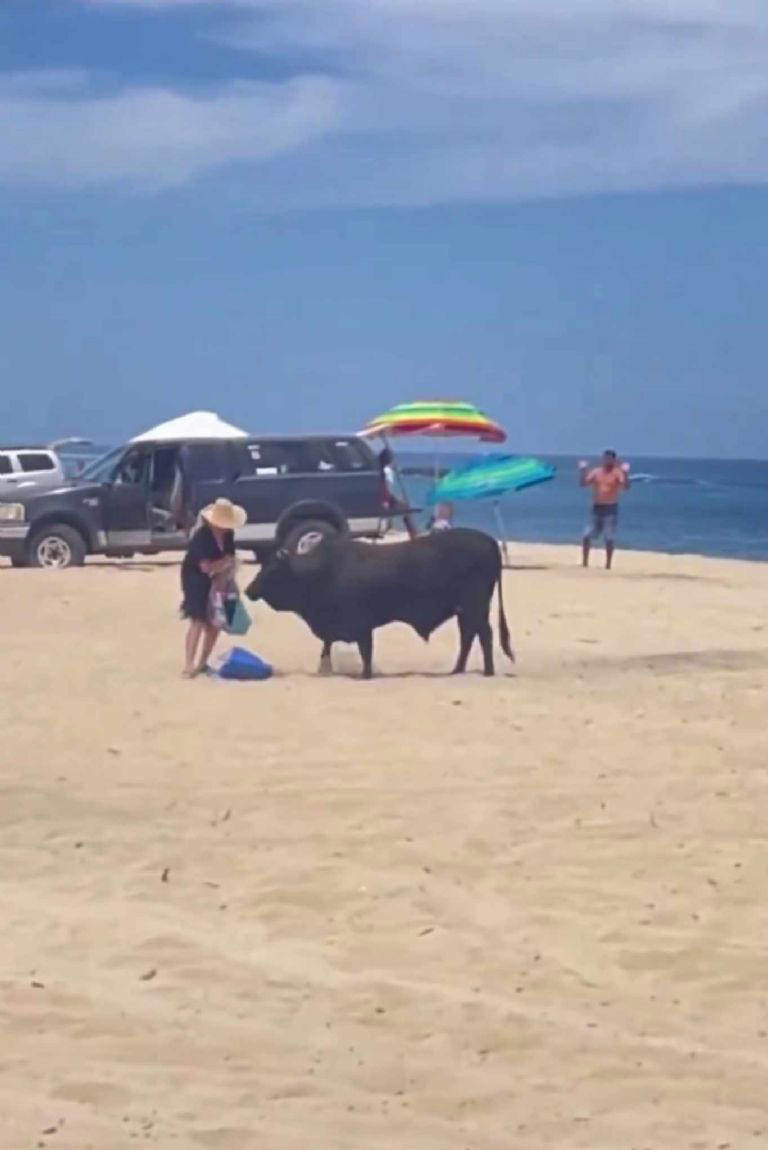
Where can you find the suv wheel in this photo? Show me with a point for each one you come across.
(57, 547)
(305, 536)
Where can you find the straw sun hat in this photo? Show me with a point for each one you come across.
(225, 515)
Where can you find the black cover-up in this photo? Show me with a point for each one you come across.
(195, 584)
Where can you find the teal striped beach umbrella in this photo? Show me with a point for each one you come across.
(491, 477)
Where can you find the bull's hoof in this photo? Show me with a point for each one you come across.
(325, 668)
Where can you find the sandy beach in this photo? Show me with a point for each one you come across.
(420, 913)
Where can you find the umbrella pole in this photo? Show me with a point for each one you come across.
(502, 531)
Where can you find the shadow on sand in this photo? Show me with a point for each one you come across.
(525, 567)
(667, 577)
(678, 662)
(349, 674)
(133, 564)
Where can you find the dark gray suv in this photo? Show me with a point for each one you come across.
(143, 498)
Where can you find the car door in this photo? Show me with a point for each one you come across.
(208, 469)
(39, 469)
(353, 481)
(277, 474)
(126, 502)
(168, 519)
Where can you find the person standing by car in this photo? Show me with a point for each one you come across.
(390, 497)
(210, 555)
(608, 480)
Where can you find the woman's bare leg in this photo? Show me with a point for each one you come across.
(210, 635)
(194, 631)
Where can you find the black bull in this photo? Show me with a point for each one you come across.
(343, 590)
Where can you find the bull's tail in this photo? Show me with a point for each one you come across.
(504, 639)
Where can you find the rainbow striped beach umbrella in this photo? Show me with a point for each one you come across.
(438, 418)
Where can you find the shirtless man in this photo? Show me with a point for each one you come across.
(607, 481)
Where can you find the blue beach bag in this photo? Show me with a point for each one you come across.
(238, 619)
(243, 666)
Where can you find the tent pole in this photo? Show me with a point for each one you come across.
(502, 531)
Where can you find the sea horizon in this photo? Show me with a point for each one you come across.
(711, 507)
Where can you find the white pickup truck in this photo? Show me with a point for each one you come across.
(38, 467)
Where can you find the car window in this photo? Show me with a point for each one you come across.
(308, 456)
(164, 466)
(282, 457)
(134, 470)
(348, 455)
(101, 469)
(5, 465)
(35, 461)
(203, 461)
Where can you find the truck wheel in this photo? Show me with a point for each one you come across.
(305, 536)
(57, 546)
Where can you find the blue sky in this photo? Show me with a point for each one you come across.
(297, 212)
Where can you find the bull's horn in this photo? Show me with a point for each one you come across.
(310, 562)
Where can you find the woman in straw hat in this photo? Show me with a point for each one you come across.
(210, 554)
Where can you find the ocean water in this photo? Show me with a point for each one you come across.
(681, 506)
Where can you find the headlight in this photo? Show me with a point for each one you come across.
(11, 512)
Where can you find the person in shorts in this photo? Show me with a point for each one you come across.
(390, 498)
(608, 481)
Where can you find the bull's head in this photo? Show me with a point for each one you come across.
(283, 581)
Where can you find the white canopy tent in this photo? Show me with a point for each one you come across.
(193, 425)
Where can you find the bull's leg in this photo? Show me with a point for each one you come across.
(365, 645)
(484, 629)
(467, 634)
(474, 622)
(486, 642)
(326, 667)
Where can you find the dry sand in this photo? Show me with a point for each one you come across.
(419, 913)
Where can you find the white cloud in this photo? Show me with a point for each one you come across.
(150, 137)
(433, 100)
(38, 82)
